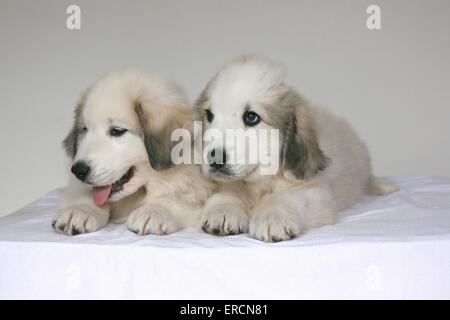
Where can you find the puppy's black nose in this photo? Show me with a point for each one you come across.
(80, 170)
(217, 158)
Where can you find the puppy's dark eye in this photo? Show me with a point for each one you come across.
(209, 116)
(84, 129)
(251, 118)
(116, 131)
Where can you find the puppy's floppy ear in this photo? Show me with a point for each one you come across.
(157, 130)
(200, 104)
(70, 143)
(302, 156)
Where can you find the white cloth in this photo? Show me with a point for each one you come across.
(397, 246)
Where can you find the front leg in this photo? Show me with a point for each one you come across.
(224, 214)
(152, 219)
(78, 213)
(275, 223)
(288, 213)
(79, 219)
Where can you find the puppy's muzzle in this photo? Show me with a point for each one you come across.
(217, 159)
(81, 170)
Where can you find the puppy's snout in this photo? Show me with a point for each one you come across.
(80, 170)
(217, 158)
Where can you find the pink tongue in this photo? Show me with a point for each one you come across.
(101, 194)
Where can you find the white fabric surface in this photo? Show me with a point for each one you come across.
(391, 247)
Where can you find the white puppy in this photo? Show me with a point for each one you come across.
(324, 166)
(120, 150)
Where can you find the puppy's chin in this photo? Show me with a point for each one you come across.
(138, 180)
(129, 183)
(221, 177)
(125, 192)
(228, 174)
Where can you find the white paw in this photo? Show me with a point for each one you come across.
(225, 220)
(79, 219)
(152, 219)
(273, 225)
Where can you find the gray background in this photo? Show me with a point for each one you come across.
(392, 84)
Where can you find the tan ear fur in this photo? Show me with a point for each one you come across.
(157, 129)
(303, 157)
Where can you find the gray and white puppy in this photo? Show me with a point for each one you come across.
(324, 165)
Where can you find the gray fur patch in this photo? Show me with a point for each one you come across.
(158, 143)
(70, 143)
(301, 151)
(303, 157)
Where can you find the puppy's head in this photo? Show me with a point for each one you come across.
(122, 132)
(249, 94)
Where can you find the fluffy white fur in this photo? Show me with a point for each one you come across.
(325, 165)
(154, 201)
